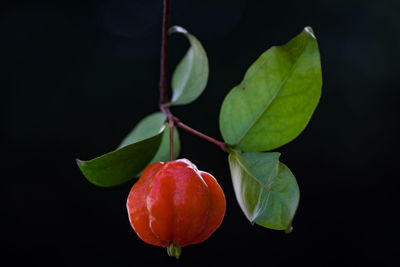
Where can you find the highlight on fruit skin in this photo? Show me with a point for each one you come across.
(174, 205)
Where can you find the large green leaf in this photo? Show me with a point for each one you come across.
(276, 99)
(123, 164)
(191, 75)
(266, 189)
(149, 126)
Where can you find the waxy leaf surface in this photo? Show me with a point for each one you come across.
(277, 97)
(265, 188)
(191, 74)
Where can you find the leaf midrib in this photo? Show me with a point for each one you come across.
(268, 190)
(251, 175)
(274, 96)
(187, 75)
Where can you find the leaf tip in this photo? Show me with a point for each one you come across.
(289, 230)
(79, 162)
(177, 28)
(310, 31)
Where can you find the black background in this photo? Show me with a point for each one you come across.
(76, 76)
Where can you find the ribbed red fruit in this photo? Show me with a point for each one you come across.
(173, 205)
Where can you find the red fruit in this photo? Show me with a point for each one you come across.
(173, 205)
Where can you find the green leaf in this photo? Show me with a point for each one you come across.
(148, 142)
(123, 164)
(191, 75)
(266, 190)
(149, 126)
(277, 97)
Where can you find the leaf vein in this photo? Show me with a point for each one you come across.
(274, 96)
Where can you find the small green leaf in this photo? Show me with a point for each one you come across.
(266, 190)
(191, 75)
(123, 164)
(277, 97)
(149, 126)
(148, 142)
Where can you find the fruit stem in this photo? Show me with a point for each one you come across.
(171, 138)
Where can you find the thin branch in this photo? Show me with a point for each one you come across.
(171, 138)
(180, 124)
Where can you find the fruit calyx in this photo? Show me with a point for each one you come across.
(174, 250)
